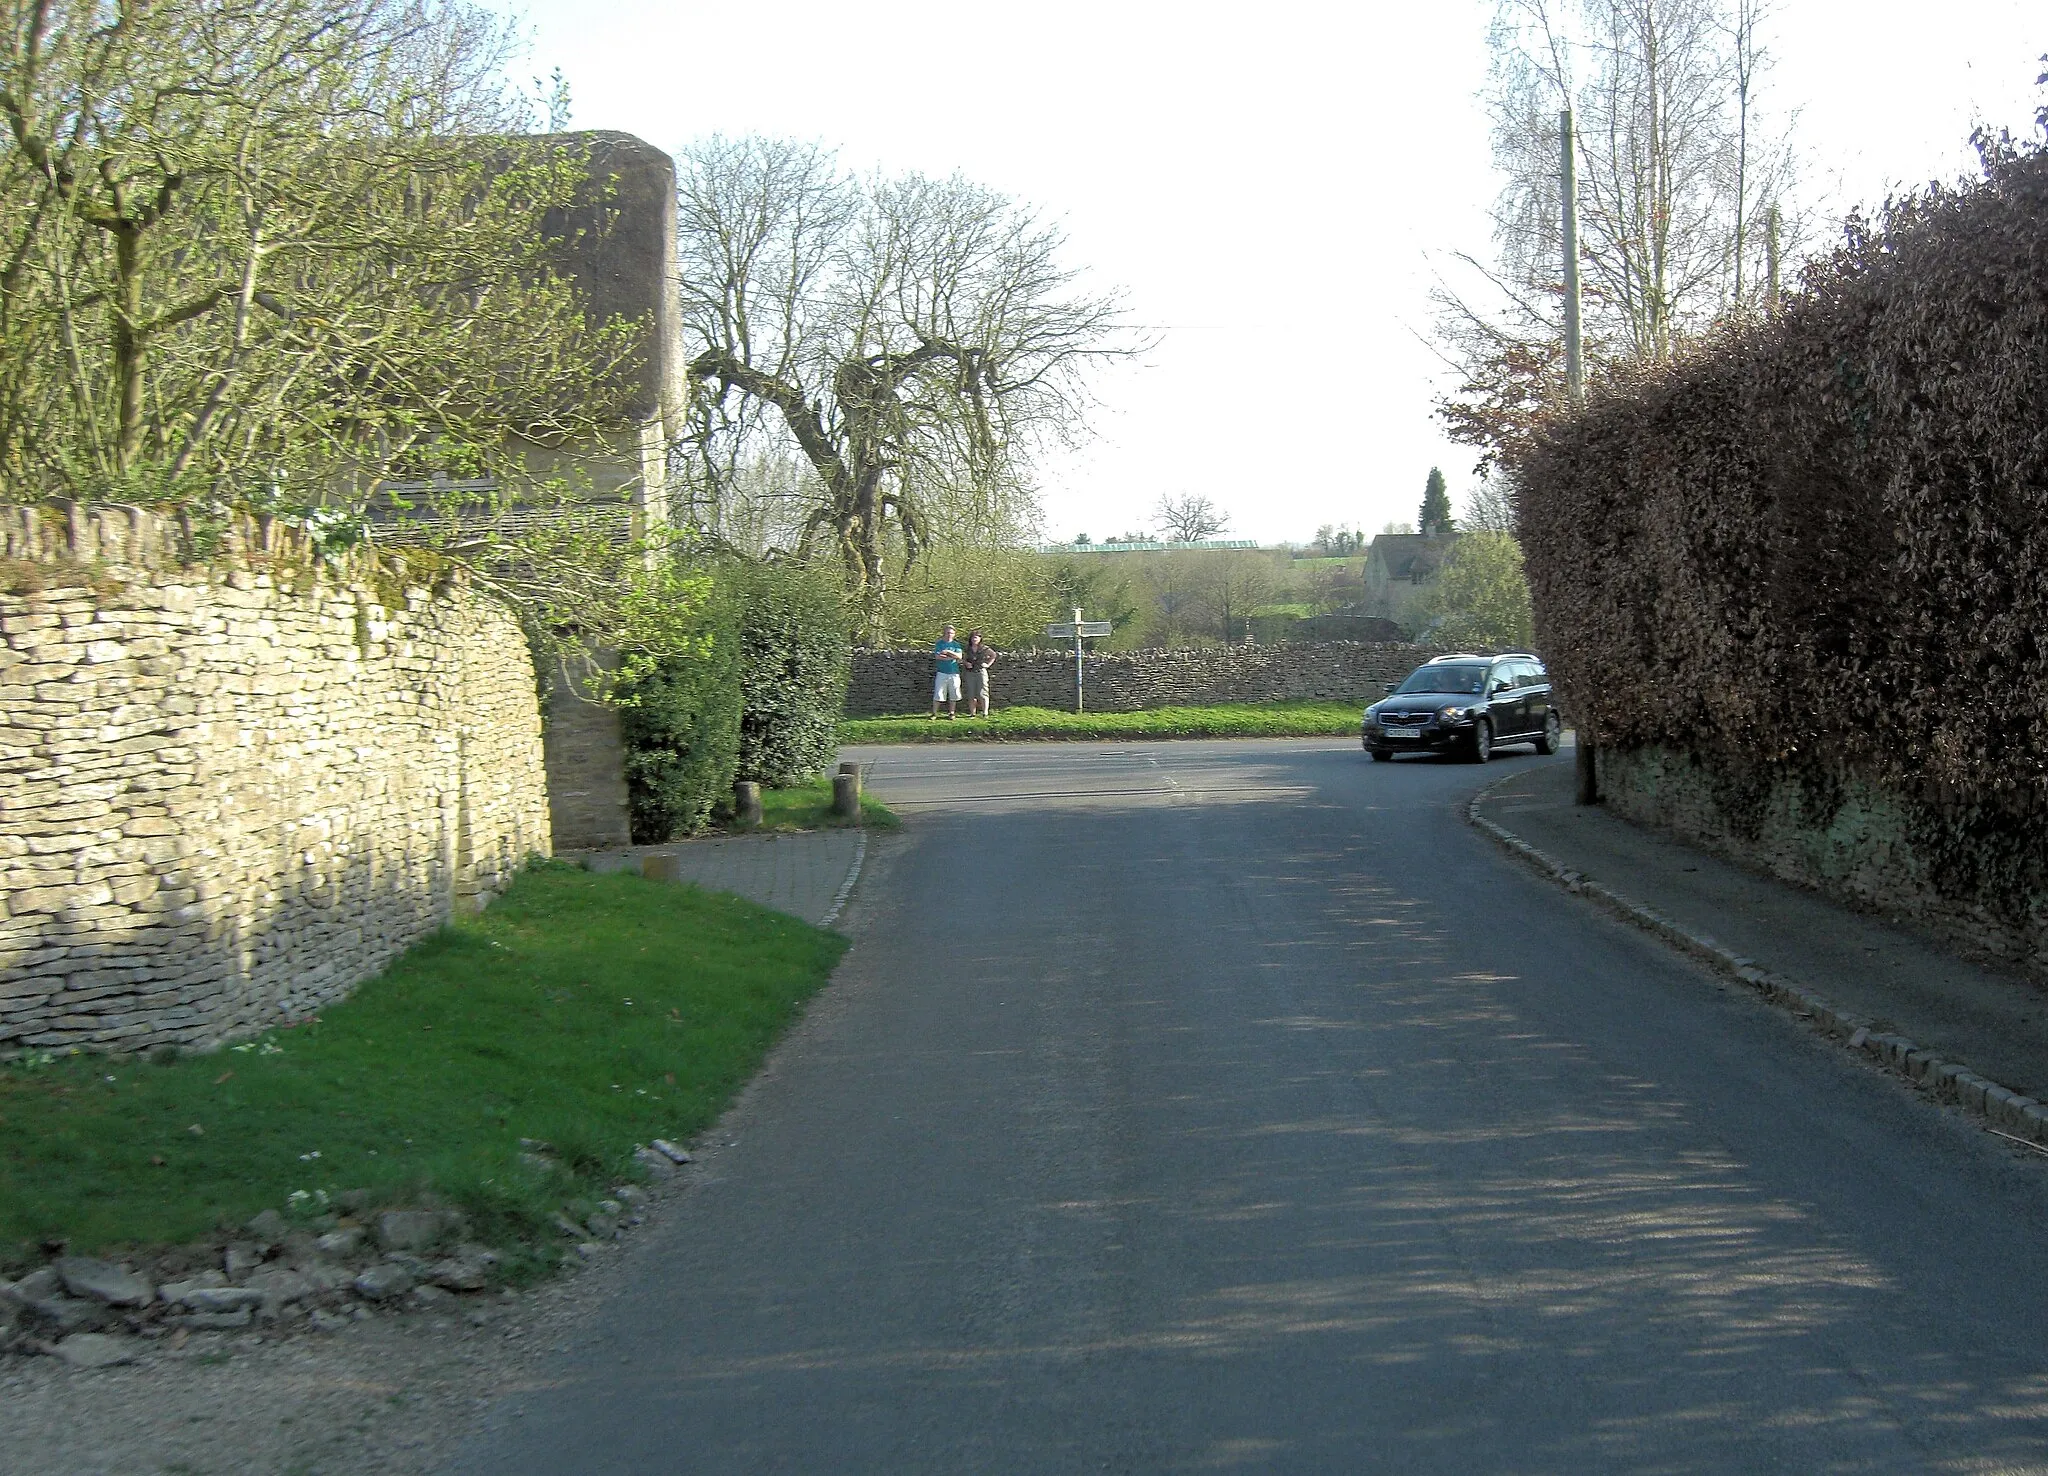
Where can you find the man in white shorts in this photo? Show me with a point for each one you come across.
(946, 684)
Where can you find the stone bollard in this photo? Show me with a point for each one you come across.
(661, 866)
(746, 802)
(846, 796)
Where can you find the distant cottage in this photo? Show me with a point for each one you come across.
(1399, 570)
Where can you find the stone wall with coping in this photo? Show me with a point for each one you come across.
(1859, 849)
(237, 778)
(887, 682)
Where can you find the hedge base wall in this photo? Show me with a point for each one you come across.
(1855, 842)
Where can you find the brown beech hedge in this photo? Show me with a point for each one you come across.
(1818, 546)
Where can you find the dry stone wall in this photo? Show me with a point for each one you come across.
(886, 682)
(236, 780)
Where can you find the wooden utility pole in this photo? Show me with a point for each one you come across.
(1587, 773)
(1568, 178)
(1771, 259)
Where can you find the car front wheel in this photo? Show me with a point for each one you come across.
(1482, 741)
(1553, 733)
(1380, 755)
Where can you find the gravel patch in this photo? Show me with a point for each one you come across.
(356, 1390)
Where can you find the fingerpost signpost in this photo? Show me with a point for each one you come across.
(1078, 630)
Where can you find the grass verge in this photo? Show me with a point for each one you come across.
(591, 1012)
(1237, 720)
(808, 806)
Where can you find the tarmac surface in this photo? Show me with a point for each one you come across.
(803, 873)
(1236, 1106)
(1995, 1020)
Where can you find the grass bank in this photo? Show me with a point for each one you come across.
(1236, 720)
(808, 806)
(590, 1012)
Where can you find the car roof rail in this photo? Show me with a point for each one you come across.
(1455, 656)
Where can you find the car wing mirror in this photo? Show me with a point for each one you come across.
(1388, 689)
(1502, 685)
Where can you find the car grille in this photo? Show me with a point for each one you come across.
(1405, 719)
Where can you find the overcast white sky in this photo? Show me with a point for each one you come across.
(1272, 184)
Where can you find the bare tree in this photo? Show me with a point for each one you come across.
(1188, 518)
(1676, 167)
(1233, 585)
(913, 339)
(1489, 507)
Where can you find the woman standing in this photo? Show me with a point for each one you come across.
(975, 662)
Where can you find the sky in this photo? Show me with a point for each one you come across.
(1275, 188)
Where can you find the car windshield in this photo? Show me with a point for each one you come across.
(1460, 680)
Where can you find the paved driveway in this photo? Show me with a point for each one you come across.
(1234, 1107)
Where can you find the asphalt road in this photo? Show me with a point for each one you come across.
(1235, 1107)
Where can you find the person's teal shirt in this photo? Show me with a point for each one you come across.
(948, 653)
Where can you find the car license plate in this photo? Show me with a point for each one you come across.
(1403, 732)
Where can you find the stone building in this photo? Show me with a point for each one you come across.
(1400, 570)
(619, 246)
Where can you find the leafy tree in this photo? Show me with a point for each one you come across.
(999, 590)
(251, 253)
(304, 258)
(1333, 541)
(914, 340)
(1435, 517)
(1101, 589)
(1481, 596)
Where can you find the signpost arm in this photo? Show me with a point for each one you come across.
(1080, 666)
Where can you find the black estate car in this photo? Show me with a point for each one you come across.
(1465, 704)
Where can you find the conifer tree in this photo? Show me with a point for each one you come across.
(1435, 519)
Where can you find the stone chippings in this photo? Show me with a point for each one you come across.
(322, 1277)
(236, 788)
(885, 682)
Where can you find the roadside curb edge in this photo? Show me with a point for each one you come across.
(860, 855)
(2011, 1114)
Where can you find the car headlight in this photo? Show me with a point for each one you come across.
(1453, 714)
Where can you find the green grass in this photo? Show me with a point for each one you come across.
(1242, 720)
(592, 1012)
(808, 806)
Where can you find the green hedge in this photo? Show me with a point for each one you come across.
(795, 656)
(1813, 554)
(762, 703)
(681, 726)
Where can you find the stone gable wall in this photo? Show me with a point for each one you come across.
(886, 682)
(236, 785)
